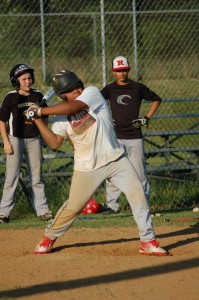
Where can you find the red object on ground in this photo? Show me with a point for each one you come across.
(92, 207)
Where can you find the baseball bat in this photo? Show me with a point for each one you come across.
(48, 96)
(27, 194)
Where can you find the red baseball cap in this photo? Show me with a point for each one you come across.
(120, 63)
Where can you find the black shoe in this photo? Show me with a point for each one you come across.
(4, 219)
(109, 211)
(47, 216)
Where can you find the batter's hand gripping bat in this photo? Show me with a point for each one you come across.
(48, 96)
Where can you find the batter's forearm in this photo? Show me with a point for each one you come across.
(64, 108)
(49, 137)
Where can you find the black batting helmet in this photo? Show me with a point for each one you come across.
(19, 70)
(64, 80)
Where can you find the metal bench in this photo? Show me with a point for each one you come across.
(162, 143)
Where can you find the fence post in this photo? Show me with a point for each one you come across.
(43, 40)
(135, 41)
(95, 40)
(103, 42)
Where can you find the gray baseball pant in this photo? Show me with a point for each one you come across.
(122, 174)
(135, 152)
(31, 147)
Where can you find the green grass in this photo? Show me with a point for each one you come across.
(101, 220)
(166, 194)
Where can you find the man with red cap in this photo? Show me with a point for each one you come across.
(125, 97)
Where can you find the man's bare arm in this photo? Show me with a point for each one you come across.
(8, 148)
(53, 140)
(64, 108)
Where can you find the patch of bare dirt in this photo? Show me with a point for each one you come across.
(100, 263)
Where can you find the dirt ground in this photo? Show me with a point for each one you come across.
(100, 263)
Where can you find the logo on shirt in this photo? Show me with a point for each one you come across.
(81, 122)
(120, 99)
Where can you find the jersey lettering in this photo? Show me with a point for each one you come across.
(81, 122)
(25, 104)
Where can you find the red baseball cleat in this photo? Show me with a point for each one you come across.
(44, 246)
(152, 248)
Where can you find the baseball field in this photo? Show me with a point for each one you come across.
(100, 263)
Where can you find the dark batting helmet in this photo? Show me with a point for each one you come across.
(19, 70)
(64, 80)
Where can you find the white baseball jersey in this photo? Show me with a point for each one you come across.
(91, 132)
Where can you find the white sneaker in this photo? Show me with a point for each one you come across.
(44, 246)
(152, 248)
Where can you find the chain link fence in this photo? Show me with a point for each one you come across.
(160, 40)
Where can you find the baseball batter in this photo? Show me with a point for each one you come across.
(125, 98)
(84, 118)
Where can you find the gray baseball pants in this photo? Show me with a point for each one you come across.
(122, 174)
(31, 148)
(135, 153)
